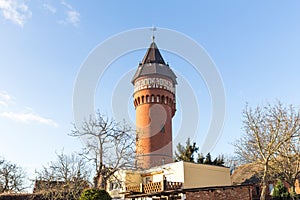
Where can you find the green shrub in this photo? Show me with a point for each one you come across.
(94, 194)
(280, 190)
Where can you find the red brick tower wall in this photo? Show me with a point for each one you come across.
(155, 108)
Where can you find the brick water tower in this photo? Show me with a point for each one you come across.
(154, 100)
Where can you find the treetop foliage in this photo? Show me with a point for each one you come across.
(186, 153)
(94, 194)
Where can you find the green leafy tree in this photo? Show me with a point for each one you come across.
(94, 194)
(186, 153)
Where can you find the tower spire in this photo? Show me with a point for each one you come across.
(153, 35)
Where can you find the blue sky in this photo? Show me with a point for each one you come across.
(255, 46)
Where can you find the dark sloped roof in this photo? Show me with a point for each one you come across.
(154, 64)
(153, 55)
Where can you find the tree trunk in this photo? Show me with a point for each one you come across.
(264, 182)
(99, 181)
(263, 192)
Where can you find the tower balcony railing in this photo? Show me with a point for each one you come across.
(154, 187)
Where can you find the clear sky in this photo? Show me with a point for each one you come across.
(254, 44)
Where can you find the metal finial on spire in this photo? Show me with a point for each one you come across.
(153, 36)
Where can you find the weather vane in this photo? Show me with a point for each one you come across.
(153, 29)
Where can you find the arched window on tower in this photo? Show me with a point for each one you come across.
(147, 99)
(139, 100)
(162, 98)
(166, 100)
(157, 98)
(143, 99)
(152, 98)
(135, 103)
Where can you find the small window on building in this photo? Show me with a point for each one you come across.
(116, 186)
(148, 180)
(147, 99)
(143, 99)
(111, 186)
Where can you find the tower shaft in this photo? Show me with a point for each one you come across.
(154, 101)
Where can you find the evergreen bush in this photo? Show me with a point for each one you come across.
(94, 194)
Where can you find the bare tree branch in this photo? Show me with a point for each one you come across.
(268, 130)
(108, 144)
(64, 178)
(12, 177)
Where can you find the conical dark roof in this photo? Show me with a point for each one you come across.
(153, 55)
(154, 64)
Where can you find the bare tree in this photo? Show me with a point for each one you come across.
(267, 129)
(64, 178)
(287, 163)
(12, 177)
(108, 144)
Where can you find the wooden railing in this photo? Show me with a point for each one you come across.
(173, 186)
(154, 187)
(135, 188)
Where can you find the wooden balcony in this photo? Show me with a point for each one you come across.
(154, 187)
